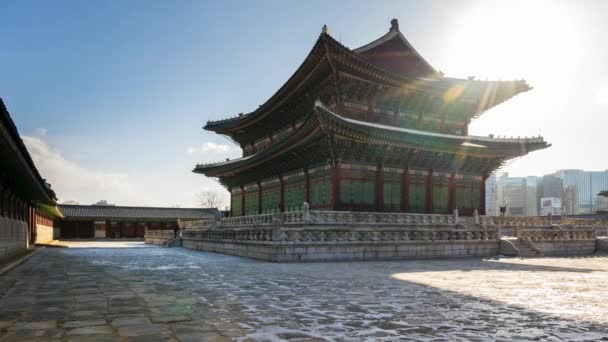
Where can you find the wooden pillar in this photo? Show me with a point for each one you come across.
(482, 193)
(405, 191)
(282, 194)
(1, 200)
(109, 229)
(429, 192)
(335, 189)
(242, 201)
(259, 197)
(33, 213)
(380, 187)
(452, 192)
(307, 186)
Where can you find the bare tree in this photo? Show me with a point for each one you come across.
(211, 199)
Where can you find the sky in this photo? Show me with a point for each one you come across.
(110, 96)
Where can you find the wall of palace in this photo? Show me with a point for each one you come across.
(355, 186)
(45, 230)
(17, 223)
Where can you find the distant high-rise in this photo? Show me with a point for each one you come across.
(584, 187)
(578, 191)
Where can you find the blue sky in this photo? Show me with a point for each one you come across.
(111, 96)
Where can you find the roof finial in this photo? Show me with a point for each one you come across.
(394, 25)
(324, 29)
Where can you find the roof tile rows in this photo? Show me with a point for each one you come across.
(102, 212)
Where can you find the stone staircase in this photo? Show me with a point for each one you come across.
(519, 247)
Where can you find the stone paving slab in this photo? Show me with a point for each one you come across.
(173, 294)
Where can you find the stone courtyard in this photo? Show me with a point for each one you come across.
(126, 291)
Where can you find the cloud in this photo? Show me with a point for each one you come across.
(601, 96)
(211, 147)
(88, 184)
(41, 132)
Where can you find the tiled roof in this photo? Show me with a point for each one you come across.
(16, 162)
(109, 212)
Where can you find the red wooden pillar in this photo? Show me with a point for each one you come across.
(405, 191)
(109, 228)
(482, 193)
(307, 186)
(452, 192)
(429, 192)
(335, 189)
(242, 201)
(33, 220)
(259, 197)
(380, 187)
(282, 194)
(2, 200)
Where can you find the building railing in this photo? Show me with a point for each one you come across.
(307, 217)
(553, 233)
(197, 224)
(352, 235)
(515, 220)
(160, 233)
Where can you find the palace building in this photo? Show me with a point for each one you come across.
(376, 129)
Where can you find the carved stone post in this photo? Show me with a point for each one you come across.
(476, 215)
(455, 213)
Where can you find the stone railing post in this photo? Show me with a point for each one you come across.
(306, 208)
(455, 213)
(476, 215)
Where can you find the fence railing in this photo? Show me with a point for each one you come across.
(338, 218)
(160, 233)
(354, 235)
(551, 234)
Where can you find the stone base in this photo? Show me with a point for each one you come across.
(286, 252)
(567, 247)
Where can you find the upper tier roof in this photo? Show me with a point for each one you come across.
(395, 53)
(389, 61)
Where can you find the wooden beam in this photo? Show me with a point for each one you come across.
(429, 192)
(282, 194)
(335, 190)
(259, 197)
(452, 192)
(405, 191)
(307, 185)
(242, 201)
(482, 194)
(380, 186)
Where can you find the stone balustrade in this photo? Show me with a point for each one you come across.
(160, 233)
(308, 217)
(354, 235)
(515, 220)
(197, 224)
(544, 234)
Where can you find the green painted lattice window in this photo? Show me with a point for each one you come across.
(440, 193)
(357, 187)
(271, 198)
(468, 194)
(251, 201)
(236, 203)
(295, 192)
(320, 188)
(417, 195)
(392, 191)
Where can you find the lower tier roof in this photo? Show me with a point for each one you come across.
(335, 137)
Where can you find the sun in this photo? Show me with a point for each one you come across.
(513, 40)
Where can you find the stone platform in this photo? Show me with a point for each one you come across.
(331, 236)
